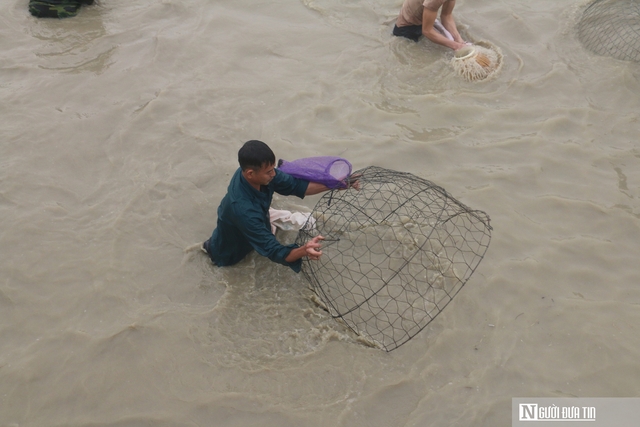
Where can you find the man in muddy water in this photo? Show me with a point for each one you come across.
(243, 215)
(419, 18)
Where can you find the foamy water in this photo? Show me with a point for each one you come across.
(120, 129)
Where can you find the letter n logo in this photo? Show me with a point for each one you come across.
(528, 412)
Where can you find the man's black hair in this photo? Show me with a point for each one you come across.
(255, 154)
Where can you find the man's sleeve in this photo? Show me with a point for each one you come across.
(433, 5)
(252, 225)
(285, 184)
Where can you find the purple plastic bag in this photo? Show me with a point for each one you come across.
(328, 170)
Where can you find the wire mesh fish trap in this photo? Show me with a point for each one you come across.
(395, 253)
(611, 28)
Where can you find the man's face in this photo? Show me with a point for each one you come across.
(262, 176)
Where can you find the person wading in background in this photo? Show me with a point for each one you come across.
(419, 17)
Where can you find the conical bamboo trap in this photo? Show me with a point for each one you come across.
(477, 62)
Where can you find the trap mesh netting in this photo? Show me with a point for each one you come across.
(611, 28)
(395, 253)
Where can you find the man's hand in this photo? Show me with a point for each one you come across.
(352, 181)
(460, 45)
(312, 248)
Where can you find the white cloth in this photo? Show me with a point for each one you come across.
(438, 26)
(290, 221)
